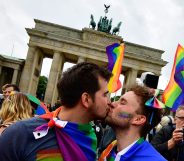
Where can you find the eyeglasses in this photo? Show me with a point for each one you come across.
(180, 117)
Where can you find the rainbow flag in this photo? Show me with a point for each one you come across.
(75, 141)
(115, 54)
(174, 93)
(49, 154)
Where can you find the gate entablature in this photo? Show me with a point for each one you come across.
(65, 44)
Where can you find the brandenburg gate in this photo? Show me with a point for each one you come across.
(64, 44)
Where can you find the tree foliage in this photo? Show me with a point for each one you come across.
(42, 84)
(115, 98)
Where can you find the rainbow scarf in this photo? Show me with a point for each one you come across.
(115, 54)
(174, 93)
(76, 141)
(109, 153)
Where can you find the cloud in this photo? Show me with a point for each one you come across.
(153, 23)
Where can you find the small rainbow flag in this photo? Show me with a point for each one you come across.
(115, 54)
(173, 95)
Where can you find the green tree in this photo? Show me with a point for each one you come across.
(42, 84)
(115, 98)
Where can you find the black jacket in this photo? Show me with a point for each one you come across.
(106, 139)
(160, 142)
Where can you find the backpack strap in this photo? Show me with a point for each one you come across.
(170, 121)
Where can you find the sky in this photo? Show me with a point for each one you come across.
(153, 23)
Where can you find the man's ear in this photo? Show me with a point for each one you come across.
(139, 120)
(86, 100)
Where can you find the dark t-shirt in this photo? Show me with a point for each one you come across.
(17, 143)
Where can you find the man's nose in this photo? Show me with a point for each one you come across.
(109, 100)
(7, 94)
(113, 105)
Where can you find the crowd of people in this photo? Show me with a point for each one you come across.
(86, 125)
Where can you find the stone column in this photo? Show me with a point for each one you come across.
(27, 74)
(0, 69)
(51, 90)
(14, 78)
(130, 77)
(36, 65)
(81, 59)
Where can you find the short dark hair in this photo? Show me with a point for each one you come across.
(144, 94)
(15, 87)
(78, 79)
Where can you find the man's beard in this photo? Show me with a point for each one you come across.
(115, 124)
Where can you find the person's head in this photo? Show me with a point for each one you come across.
(8, 88)
(165, 120)
(16, 107)
(82, 82)
(49, 105)
(179, 117)
(130, 111)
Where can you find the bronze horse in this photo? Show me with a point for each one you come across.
(116, 29)
(92, 22)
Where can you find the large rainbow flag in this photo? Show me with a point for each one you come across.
(173, 95)
(115, 54)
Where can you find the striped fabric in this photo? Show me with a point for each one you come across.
(115, 54)
(77, 142)
(140, 151)
(49, 155)
(174, 93)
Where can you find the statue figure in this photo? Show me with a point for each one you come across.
(106, 8)
(109, 26)
(116, 29)
(105, 24)
(100, 24)
(92, 22)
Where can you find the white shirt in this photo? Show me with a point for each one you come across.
(122, 152)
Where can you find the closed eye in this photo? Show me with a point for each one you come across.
(123, 101)
(106, 94)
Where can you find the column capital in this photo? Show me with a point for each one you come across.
(57, 51)
(81, 59)
(130, 77)
(133, 69)
(58, 55)
(31, 46)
